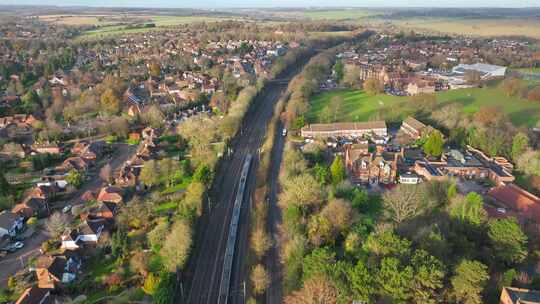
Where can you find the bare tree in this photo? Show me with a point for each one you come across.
(404, 202)
(260, 279)
(260, 242)
(57, 224)
(177, 246)
(316, 290)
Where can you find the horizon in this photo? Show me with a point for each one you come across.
(245, 4)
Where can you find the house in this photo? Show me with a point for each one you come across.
(409, 178)
(87, 234)
(36, 295)
(110, 194)
(53, 271)
(75, 163)
(10, 223)
(420, 86)
(513, 295)
(526, 204)
(413, 128)
(47, 148)
(32, 206)
(372, 168)
(346, 129)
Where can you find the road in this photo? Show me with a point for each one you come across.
(204, 271)
(14, 262)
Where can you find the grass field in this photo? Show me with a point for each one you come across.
(474, 27)
(360, 107)
(161, 22)
(351, 14)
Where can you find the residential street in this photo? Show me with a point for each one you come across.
(16, 261)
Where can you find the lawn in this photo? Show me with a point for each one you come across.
(359, 106)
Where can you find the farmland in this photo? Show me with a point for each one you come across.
(359, 106)
(474, 27)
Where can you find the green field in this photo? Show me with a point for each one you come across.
(530, 70)
(161, 22)
(337, 14)
(360, 107)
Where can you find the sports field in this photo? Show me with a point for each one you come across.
(358, 106)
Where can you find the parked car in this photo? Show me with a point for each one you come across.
(13, 247)
(66, 209)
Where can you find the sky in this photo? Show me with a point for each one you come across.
(278, 3)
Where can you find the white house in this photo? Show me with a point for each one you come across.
(409, 178)
(89, 232)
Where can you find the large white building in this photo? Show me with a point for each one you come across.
(486, 70)
(345, 129)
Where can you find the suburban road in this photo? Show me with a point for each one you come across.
(205, 269)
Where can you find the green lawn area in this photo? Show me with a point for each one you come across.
(161, 22)
(359, 106)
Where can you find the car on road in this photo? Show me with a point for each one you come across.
(66, 209)
(13, 247)
(284, 132)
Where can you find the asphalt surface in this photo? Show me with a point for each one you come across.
(204, 271)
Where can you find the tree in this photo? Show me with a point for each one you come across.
(320, 230)
(151, 284)
(385, 243)
(394, 279)
(351, 77)
(512, 86)
(260, 242)
(321, 173)
(340, 214)
(373, 86)
(428, 277)
(534, 94)
(316, 290)
(468, 282)
(110, 103)
(139, 263)
(520, 144)
(154, 69)
(177, 246)
(302, 190)
(193, 199)
(203, 174)
(156, 237)
(434, 144)
(361, 282)
(260, 279)
(75, 178)
(339, 70)
(508, 240)
(119, 244)
(337, 170)
(165, 292)
(154, 117)
(529, 162)
(57, 224)
(120, 127)
(404, 202)
(150, 174)
(106, 173)
(469, 209)
(30, 101)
